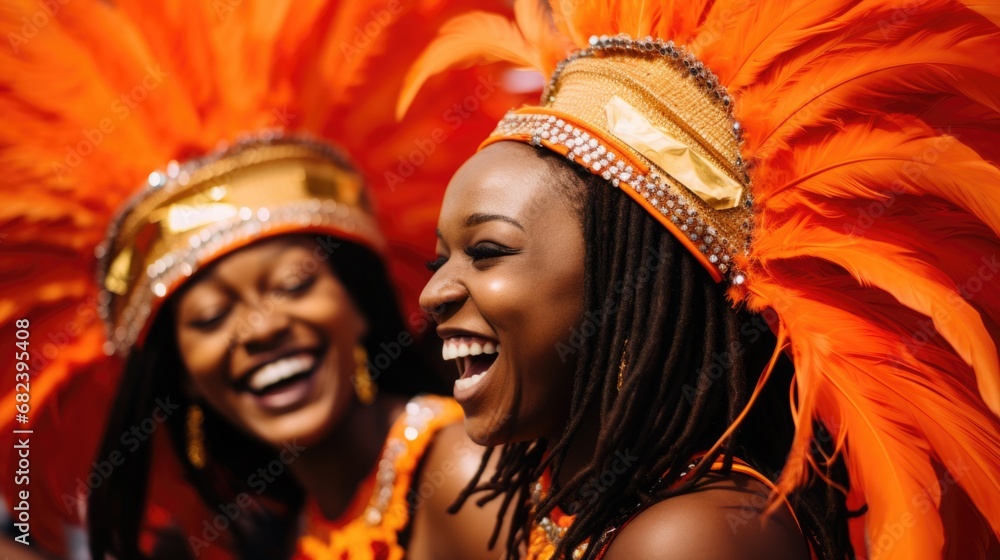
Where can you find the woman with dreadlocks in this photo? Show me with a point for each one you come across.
(697, 176)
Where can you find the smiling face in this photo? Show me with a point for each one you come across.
(267, 337)
(507, 290)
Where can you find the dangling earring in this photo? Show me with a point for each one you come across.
(624, 364)
(195, 436)
(364, 385)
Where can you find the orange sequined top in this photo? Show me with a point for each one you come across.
(545, 535)
(370, 527)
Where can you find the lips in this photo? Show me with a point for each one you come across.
(473, 355)
(282, 382)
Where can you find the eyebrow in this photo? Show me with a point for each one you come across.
(476, 219)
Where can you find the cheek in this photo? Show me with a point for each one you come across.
(203, 354)
(205, 359)
(534, 310)
(329, 309)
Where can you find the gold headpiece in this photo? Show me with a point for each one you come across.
(192, 213)
(648, 117)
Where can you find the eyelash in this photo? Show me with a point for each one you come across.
(481, 251)
(489, 250)
(298, 288)
(436, 264)
(207, 324)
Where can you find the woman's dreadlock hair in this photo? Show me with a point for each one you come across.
(692, 361)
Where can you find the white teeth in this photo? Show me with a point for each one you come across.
(469, 381)
(459, 348)
(280, 370)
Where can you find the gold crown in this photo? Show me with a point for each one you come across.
(195, 212)
(649, 117)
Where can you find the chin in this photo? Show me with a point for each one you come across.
(480, 435)
(305, 427)
(490, 431)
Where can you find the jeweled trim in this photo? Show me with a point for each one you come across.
(666, 50)
(165, 273)
(420, 412)
(183, 262)
(604, 160)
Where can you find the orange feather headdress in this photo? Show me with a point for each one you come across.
(98, 96)
(836, 161)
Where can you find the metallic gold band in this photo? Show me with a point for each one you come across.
(646, 115)
(194, 213)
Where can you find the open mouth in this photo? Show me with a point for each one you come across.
(280, 373)
(473, 356)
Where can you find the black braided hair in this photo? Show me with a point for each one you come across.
(692, 361)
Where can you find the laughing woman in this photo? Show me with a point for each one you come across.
(787, 157)
(267, 388)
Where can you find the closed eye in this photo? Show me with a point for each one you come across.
(209, 323)
(298, 287)
(489, 250)
(436, 264)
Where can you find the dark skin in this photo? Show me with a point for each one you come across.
(272, 299)
(511, 237)
(11, 549)
(527, 292)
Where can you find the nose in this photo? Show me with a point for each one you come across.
(442, 295)
(263, 328)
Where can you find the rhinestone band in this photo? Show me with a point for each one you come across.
(683, 60)
(554, 533)
(420, 411)
(184, 258)
(600, 158)
(173, 267)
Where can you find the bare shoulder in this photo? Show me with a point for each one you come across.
(722, 519)
(449, 464)
(451, 461)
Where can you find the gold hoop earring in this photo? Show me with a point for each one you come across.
(364, 385)
(624, 364)
(195, 436)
